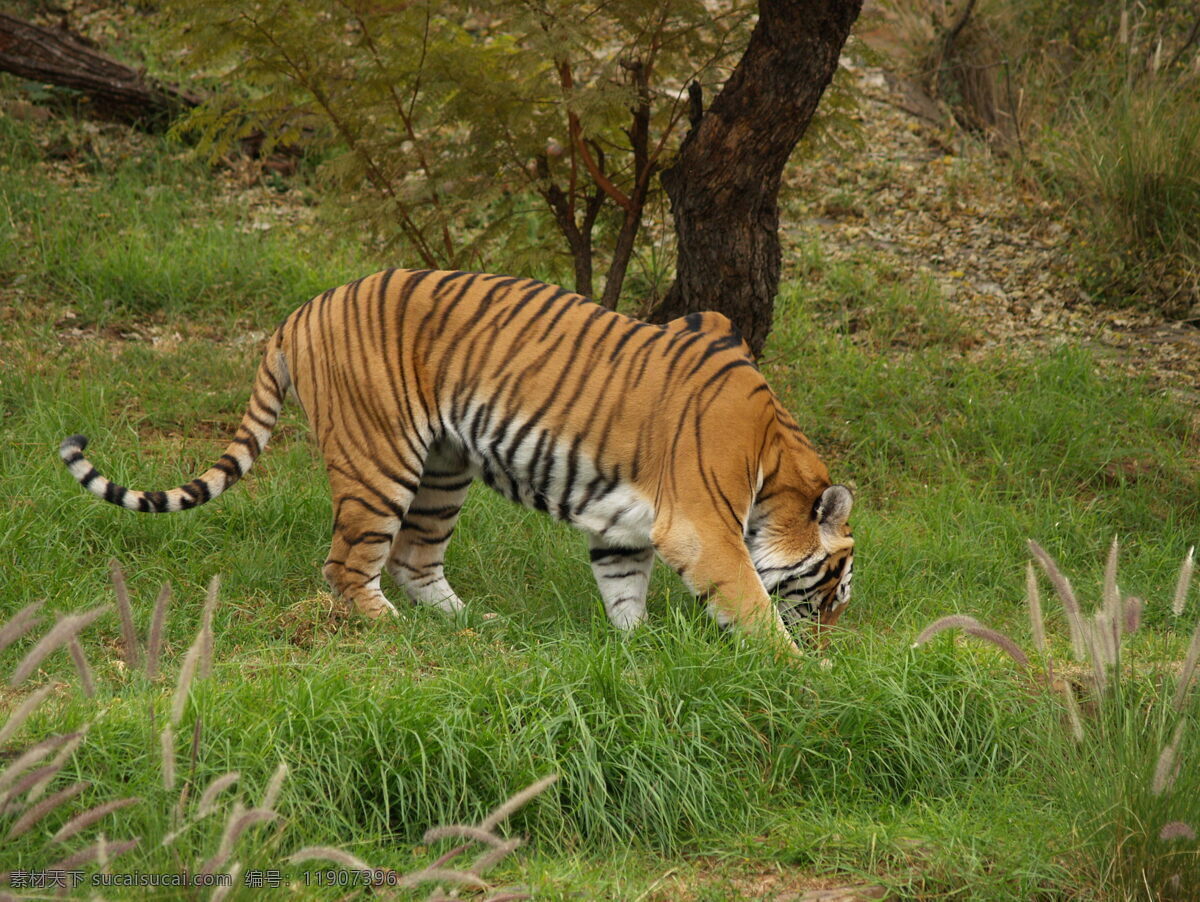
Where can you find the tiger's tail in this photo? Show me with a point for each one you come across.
(270, 386)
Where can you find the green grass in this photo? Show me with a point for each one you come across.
(685, 758)
(128, 226)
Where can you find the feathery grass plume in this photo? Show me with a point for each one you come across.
(86, 683)
(951, 621)
(166, 744)
(157, 622)
(517, 801)
(132, 651)
(238, 822)
(1110, 595)
(234, 872)
(19, 624)
(271, 795)
(1188, 670)
(492, 856)
(1176, 830)
(65, 751)
(193, 757)
(1133, 614)
(62, 633)
(1167, 768)
(186, 672)
(1185, 579)
(208, 799)
(27, 707)
(1036, 621)
(44, 807)
(328, 853)
(1101, 647)
(206, 628)
(226, 844)
(482, 833)
(1062, 586)
(461, 831)
(975, 628)
(29, 758)
(87, 818)
(1073, 714)
(100, 851)
(8, 801)
(429, 875)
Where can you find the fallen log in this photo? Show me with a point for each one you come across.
(114, 91)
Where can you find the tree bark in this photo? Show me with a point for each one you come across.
(724, 184)
(114, 90)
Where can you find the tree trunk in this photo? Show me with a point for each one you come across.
(724, 185)
(114, 90)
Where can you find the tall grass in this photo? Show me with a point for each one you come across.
(1139, 159)
(1120, 760)
(1100, 104)
(178, 827)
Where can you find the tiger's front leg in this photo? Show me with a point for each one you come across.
(718, 569)
(623, 575)
(419, 550)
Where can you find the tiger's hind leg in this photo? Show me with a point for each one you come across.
(365, 522)
(623, 575)
(419, 549)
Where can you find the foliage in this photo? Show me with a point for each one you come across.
(439, 125)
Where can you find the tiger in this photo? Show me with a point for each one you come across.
(654, 440)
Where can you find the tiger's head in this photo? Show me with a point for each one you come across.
(804, 554)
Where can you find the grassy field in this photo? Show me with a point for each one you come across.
(691, 766)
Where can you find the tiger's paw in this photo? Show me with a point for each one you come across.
(374, 607)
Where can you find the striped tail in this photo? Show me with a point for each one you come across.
(270, 385)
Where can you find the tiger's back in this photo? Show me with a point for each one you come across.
(649, 438)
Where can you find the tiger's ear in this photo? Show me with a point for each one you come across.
(832, 512)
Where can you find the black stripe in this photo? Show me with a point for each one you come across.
(444, 511)
(449, 487)
(229, 465)
(599, 554)
(624, 574)
(633, 329)
(368, 538)
(435, 540)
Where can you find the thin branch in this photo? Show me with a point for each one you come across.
(1188, 42)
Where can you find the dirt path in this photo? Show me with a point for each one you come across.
(929, 201)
